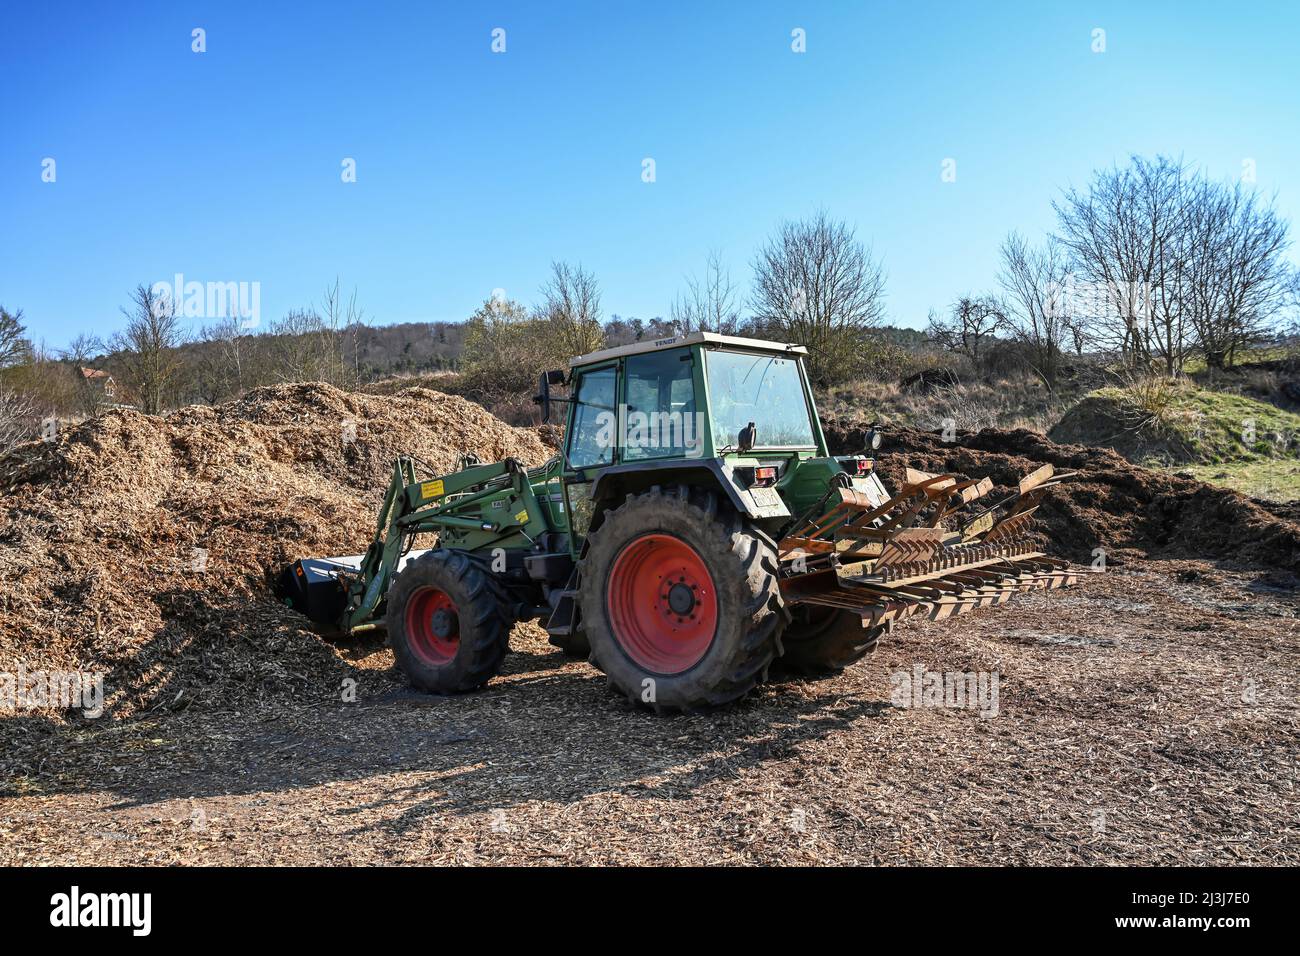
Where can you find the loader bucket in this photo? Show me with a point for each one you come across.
(312, 587)
(318, 587)
(932, 549)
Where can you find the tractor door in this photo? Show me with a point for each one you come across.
(591, 442)
(659, 403)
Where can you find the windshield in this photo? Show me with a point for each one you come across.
(749, 387)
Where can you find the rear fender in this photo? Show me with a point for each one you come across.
(612, 486)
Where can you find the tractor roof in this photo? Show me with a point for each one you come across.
(690, 338)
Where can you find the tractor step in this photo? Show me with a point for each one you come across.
(561, 620)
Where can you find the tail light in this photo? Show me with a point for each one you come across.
(764, 476)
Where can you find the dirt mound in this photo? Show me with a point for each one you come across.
(1129, 511)
(1101, 421)
(138, 546)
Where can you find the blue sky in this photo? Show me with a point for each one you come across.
(475, 169)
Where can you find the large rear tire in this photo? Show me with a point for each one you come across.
(680, 601)
(448, 623)
(822, 641)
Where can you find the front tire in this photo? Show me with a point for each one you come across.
(680, 601)
(447, 623)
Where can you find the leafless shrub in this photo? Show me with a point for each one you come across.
(570, 309)
(505, 350)
(14, 347)
(971, 324)
(817, 285)
(1038, 307)
(18, 419)
(709, 304)
(147, 348)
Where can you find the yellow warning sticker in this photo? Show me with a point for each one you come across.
(431, 489)
(522, 517)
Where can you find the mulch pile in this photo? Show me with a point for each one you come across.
(1131, 512)
(139, 546)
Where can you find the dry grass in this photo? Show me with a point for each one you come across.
(967, 406)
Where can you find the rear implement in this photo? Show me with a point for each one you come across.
(924, 551)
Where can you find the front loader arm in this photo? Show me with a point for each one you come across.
(446, 503)
(380, 561)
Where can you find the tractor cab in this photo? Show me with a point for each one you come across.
(699, 395)
(699, 409)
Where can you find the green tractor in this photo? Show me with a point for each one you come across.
(692, 532)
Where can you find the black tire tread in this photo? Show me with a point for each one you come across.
(825, 649)
(726, 532)
(485, 620)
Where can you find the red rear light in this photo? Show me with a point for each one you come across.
(864, 465)
(764, 476)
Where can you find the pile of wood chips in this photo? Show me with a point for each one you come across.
(139, 546)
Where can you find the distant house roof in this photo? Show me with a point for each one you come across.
(94, 373)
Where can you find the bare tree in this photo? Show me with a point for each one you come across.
(1186, 263)
(225, 366)
(971, 322)
(344, 322)
(305, 348)
(570, 308)
(17, 419)
(817, 285)
(1125, 236)
(1037, 283)
(711, 303)
(148, 347)
(14, 347)
(1238, 280)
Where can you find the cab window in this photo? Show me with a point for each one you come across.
(595, 420)
(762, 388)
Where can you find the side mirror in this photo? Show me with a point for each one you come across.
(748, 435)
(543, 396)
